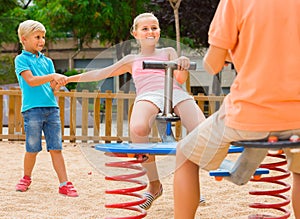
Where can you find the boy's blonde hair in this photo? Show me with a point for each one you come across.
(29, 26)
(140, 16)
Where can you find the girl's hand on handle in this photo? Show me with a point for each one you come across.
(181, 74)
(183, 63)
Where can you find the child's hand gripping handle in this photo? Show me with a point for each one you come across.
(165, 64)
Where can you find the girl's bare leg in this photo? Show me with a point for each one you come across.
(141, 121)
(190, 114)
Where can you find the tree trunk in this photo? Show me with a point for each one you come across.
(175, 5)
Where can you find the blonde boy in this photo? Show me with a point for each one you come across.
(39, 107)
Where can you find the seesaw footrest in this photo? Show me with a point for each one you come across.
(226, 173)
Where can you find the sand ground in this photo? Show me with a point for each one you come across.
(86, 170)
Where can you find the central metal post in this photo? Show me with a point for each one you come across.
(165, 118)
(169, 67)
(168, 93)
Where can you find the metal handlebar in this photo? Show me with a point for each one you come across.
(169, 67)
(165, 64)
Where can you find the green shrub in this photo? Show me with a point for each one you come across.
(90, 86)
(7, 70)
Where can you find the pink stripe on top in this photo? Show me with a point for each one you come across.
(147, 80)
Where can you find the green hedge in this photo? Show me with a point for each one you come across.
(7, 70)
(90, 86)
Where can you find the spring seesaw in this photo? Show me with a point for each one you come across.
(136, 154)
(249, 167)
(139, 151)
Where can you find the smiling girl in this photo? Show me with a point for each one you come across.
(149, 85)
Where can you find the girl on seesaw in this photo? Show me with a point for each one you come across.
(149, 85)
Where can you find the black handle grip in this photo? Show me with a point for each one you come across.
(165, 64)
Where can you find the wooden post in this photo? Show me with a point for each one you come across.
(84, 116)
(11, 115)
(73, 117)
(201, 103)
(61, 105)
(108, 116)
(120, 116)
(130, 106)
(97, 118)
(18, 116)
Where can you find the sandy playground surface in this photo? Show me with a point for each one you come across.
(86, 170)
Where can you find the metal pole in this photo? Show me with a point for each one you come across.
(169, 67)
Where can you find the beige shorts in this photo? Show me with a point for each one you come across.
(157, 97)
(207, 145)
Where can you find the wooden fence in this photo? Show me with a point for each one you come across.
(117, 113)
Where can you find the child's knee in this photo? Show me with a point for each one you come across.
(139, 130)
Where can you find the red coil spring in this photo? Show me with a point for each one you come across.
(132, 191)
(274, 166)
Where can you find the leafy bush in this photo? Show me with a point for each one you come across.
(7, 70)
(73, 85)
(90, 86)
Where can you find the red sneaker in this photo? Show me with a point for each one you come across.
(68, 190)
(23, 185)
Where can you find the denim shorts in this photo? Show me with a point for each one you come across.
(42, 120)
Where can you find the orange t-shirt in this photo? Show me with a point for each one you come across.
(263, 37)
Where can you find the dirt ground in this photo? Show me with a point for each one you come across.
(86, 169)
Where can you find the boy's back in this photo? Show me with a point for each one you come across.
(264, 37)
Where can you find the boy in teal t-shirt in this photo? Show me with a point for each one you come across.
(36, 76)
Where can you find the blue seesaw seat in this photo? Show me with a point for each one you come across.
(160, 148)
(226, 169)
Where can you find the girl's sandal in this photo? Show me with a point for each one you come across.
(151, 198)
(202, 200)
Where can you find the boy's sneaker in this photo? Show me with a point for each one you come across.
(68, 190)
(23, 184)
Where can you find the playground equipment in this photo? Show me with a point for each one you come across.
(263, 146)
(236, 172)
(252, 158)
(247, 167)
(136, 154)
(139, 151)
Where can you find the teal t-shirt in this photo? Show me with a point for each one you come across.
(37, 96)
